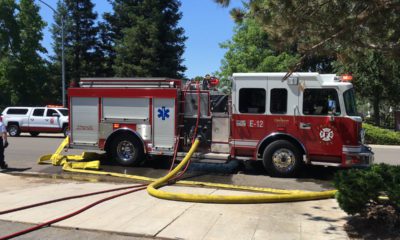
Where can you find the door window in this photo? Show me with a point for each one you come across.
(39, 112)
(252, 100)
(350, 103)
(278, 101)
(50, 113)
(320, 102)
(17, 111)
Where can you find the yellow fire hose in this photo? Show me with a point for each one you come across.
(73, 163)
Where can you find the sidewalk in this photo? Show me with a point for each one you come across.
(139, 214)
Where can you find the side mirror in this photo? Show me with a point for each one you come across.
(56, 115)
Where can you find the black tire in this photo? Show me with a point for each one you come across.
(127, 150)
(282, 159)
(65, 131)
(13, 130)
(34, 134)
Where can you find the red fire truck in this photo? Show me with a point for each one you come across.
(286, 122)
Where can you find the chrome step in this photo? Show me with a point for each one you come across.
(206, 157)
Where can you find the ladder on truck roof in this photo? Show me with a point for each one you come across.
(129, 83)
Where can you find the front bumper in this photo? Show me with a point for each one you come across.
(357, 156)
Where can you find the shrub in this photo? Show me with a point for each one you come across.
(376, 135)
(373, 193)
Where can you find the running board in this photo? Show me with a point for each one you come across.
(206, 157)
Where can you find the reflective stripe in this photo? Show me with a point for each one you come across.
(245, 143)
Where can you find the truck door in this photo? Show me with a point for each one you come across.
(319, 124)
(53, 119)
(37, 120)
(249, 114)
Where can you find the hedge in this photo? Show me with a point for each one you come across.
(362, 190)
(376, 135)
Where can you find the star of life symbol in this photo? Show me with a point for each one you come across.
(326, 134)
(163, 113)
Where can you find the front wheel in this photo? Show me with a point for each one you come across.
(282, 159)
(14, 131)
(127, 150)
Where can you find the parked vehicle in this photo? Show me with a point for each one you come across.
(308, 118)
(35, 120)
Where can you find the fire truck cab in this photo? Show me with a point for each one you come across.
(285, 122)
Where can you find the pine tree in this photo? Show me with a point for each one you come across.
(328, 27)
(81, 46)
(148, 41)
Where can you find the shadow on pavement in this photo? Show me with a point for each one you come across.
(11, 169)
(221, 172)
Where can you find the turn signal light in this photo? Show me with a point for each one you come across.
(116, 125)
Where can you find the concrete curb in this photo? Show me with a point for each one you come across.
(384, 146)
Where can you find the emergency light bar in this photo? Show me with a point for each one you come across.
(347, 78)
(344, 78)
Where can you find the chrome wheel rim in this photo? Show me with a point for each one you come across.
(126, 150)
(284, 160)
(13, 131)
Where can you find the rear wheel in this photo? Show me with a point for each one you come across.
(282, 159)
(127, 150)
(34, 134)
(65, 131)
(14, 131)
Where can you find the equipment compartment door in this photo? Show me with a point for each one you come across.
(163, 123)
(85, 120)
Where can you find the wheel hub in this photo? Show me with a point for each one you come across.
(13, 131)
(283, 159)
(126, 150)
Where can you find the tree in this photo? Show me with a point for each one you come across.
(30, 86)
(376, 78)
(148, 41)
(22, 69)
(249, 51)
(82, 54)
(9, 47)
(328, 27)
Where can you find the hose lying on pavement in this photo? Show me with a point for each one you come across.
(69, 198)
(278, 194)
(290, 197)
(152, 188)
(48, 223)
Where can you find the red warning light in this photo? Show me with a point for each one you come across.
(214, 81)
(347, 78)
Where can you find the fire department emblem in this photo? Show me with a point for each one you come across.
(326, 134)
(163, 113)
(51, 120)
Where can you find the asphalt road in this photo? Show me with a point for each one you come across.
(24, 151)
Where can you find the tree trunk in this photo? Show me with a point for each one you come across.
(377, 115)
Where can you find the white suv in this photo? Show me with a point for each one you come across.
(35, 120)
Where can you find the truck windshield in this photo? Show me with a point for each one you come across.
(350, 103)
(64, 112)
